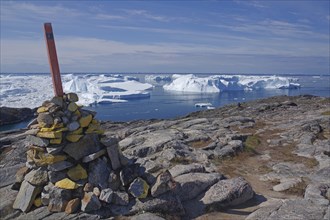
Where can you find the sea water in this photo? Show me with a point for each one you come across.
(164, 104)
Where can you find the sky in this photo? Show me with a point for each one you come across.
(224, 36)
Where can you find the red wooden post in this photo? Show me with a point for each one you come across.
(52, 58)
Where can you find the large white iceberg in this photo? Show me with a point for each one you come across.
(31, 90)
(218, 83)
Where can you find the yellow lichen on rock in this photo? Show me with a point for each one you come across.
(72, 107)
(78, 131)
(74, 137)
(77, 113)
(37, 202)
(85, 121)
(66, 183)
(42, 109)
(50, 134)
(94, 128)
(42, 159)
(55, 141)
(77, 173)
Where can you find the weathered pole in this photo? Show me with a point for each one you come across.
(52, 58)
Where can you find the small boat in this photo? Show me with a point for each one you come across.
(203, 105)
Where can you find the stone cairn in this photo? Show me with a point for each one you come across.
(71, 166)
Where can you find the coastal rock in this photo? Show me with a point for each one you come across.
(189, 168)
(192, 184)
(228, 193)
(26, 196)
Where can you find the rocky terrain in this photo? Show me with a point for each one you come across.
(266, 159)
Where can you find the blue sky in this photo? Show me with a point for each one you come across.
(272, 37)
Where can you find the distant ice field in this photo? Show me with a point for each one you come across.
(125, 97)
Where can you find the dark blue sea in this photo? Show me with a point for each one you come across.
(165, 104)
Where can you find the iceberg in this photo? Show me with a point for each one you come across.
(30, 90)
(219, 83)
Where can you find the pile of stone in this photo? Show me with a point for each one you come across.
(71, 166)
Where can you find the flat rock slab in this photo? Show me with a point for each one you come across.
(193, 184)
(228, 193)
(190, 168)
(26, 196)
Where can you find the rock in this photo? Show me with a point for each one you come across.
(37, 177)
(139, 188)
(92, 157)
(99, 171)
(192, 184)
(45, 119)
(55, 150)
(45, 193)
(106, 195)
(77, 173)
(73, 126)
(89, 144)
(37, 202)
(114, 181)
(164, 183)
(72, 97)
(113, 153)
(66, 184)
(36, 141)
(73, 206)
(58, 199)
(57, 100)
(96, 191)
(286, 183)
(226, 193)
(190, 168)
(14, 115)
(73, 137)
(85, 121)
(146, 216)
(90, 202)
(167, 203)
(26, 196)
(88, 187)
(129, 173)
(120, 198)
(21, 172)
(59, 166)
(72, 107)
(55, 176)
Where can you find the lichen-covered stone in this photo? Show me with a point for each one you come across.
(139, 188)
(85, 121)
(72, 107)
(50, 134)
(37, 202)
(66, 184)
(74, 137)
(72, 97)
(77, 173)
(45, 119)
(55, 141)
(42, 159)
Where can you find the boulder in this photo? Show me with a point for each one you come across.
(14, 115)
(36, 141)
(191, 185)
(228, 192)
(45, 119)
(189, 168)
